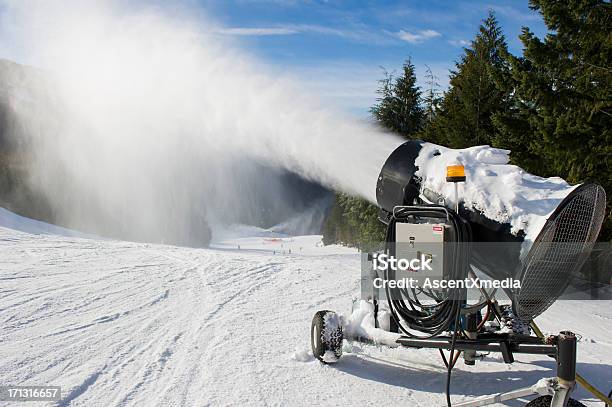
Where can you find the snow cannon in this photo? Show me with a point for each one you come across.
(474, 218)
(543, 249)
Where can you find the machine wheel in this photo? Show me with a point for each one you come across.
(544, 401)
(326, 336)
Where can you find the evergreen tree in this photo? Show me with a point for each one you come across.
(560, 123)
(353, 221)
(399, 106)
(432, 97)
(432, 102)
(477, 90)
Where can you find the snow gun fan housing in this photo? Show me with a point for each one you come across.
(544, 265)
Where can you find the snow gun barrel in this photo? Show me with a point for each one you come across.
(543, 265)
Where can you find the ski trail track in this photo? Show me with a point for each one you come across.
(131, 324)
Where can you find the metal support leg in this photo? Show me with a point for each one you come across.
(581, 380)
(469, 356)
(566, 369)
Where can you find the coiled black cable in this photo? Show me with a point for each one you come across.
(405, 307)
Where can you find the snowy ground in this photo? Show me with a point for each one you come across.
(119, 323)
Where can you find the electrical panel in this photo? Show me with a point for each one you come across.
(422, 241)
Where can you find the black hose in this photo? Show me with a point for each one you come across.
(452, 351)
(405, 308)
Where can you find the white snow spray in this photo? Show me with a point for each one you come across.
(150, 115)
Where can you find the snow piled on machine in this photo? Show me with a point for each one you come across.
(500, 191)
(360, 324)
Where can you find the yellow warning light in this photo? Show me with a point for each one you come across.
(455, 173)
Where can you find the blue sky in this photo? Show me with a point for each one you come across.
(338, 47)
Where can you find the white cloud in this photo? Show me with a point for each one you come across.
(417, 37)
(324, 30)
(459, 43)
(257, 31)
(354, 33)
(290, 29)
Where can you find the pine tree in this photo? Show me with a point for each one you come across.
(432, 102)
(432, 97)
(562, 117)
(477, 90)
(353, 221)
(399, 106)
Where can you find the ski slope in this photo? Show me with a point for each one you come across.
(129, 324)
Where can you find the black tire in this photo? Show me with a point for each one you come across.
(326, 336)
(544, 401)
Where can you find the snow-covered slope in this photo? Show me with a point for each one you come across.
(118, 323)
(11, 220)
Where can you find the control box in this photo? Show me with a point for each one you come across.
(422, 241)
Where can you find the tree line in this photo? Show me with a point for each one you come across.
(551, 106)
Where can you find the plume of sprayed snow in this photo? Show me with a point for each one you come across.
(153, 116)
(310, 219)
